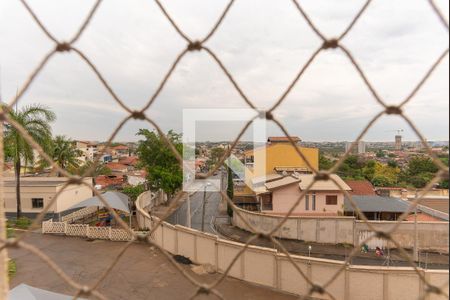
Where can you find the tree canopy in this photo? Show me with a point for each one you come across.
(163, 169)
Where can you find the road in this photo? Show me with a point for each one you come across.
(180, 216)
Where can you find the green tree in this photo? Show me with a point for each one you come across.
(163, 168)
(64, 153)
(420, 171)
(324, 162)
(420, 164)
(133, 191)
(35, 119)
(216, 154)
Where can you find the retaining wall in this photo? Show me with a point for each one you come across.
(269, 268)
(335, 230)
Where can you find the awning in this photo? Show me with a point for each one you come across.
(26, 292)
(115, 199)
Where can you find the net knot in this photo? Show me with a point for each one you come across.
(85, 290)
(330, 44)
(322, 176)
(434, 290)
(75, 180)
(12, 243)
(195, 46)
(203, 289)
(317, 289)
(393, 110)
(2, 116)
(63, 47)
(138, 115)
(269, 115)
(382, 235)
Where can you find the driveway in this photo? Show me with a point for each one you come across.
(141, 273)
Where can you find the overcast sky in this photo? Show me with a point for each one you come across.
(263, 43)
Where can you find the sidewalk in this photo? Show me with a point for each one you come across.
(336, 252)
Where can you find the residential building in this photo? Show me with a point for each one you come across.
(278, 194)
(37, 192)
(89, 150)
(389, 209)
(117, 168)
(120, 151)
(109, 181)
(278, 156)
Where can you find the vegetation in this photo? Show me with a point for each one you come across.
(35, 120)
(12, 268)
(21, 223)
(419, 171)
(216, 154)
(133, 191)
(163, 169)
(64, 153)
(100, 169)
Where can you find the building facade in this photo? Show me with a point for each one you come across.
(38, 192)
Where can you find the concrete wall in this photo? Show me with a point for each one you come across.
(269, 268)
(431, 235)
(334, 230)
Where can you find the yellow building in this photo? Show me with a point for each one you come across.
(279, 157)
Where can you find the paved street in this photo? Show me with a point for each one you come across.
(141, 273)
(180, 216)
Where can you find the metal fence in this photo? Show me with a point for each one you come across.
(200, 45)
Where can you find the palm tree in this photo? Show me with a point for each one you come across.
(35, 119)
(100, 169)
(64, 153)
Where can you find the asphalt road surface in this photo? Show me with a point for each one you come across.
(212, 201)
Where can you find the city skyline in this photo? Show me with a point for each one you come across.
(264, 54)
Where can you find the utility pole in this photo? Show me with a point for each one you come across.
(416, 235)
(188, 210)
(204, 206)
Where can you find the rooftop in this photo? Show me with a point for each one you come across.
(361, 187)
(288, 180)
(327, 185)
(377, 204)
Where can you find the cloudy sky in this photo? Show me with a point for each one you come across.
(263, 43)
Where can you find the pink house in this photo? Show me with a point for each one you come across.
(324, 198)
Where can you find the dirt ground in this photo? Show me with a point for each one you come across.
(141, 273)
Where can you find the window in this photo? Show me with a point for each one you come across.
(37, 202)
(331, 200)
(307, 202)
(313, 201)
(267, 202)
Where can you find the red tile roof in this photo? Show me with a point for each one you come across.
(116, 166)
(361, 187)
(422, 217)
(109, 180)
(129, 161)
(120, 147)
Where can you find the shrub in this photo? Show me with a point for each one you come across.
(23, 223)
